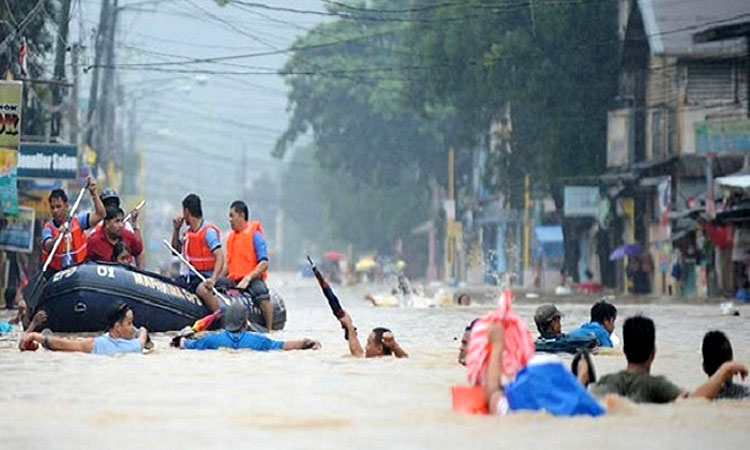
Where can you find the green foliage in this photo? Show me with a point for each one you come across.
(375, 152)
(409, 79)
(554, 62)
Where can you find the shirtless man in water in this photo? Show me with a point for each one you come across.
(380, 341)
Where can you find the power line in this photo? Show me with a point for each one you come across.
(257, 54)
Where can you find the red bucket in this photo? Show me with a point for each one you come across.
(469, 400)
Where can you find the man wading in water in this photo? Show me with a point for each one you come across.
(380, 341)
(121, 336)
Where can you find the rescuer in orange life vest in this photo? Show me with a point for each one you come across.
(200, 243)
(247, 259)
(72, 249)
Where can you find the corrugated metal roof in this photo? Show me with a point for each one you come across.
(671, 24)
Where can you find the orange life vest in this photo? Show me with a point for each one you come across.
(241, 257)
(78, 247)
(195, 249)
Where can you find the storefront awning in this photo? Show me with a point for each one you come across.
(739, 181)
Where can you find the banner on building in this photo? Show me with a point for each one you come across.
(620, 137)
(11, 94)
(18, 234)
(726, 136)
(8, 181)
(48, 161)
(581, 201)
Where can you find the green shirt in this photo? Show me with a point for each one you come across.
(640, 387)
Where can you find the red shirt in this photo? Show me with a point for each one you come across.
(100, 249)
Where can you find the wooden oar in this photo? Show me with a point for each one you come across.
(137, 208)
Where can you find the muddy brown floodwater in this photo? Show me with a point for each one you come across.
(328, 400)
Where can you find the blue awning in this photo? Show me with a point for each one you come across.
(549, 234)
(550, 242)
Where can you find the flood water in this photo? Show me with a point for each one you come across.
(326, 399)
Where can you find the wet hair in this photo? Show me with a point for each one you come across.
(193, 204)
(58, 193)
(379, 332)
(639, 335)
(118, 249)
(716, 351)
(241, 208)
(116, 313)
(112, 213)
(602, 311)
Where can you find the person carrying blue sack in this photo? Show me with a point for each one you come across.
(501, 359)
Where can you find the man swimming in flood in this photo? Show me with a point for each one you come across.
(602, 324)
(236, 336)
(120, 337)
(636, 381)
(548, 320)
(465, 342)
(380, 341)
(717, 350)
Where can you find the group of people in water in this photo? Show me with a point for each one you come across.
(513, 371)
(635, 382)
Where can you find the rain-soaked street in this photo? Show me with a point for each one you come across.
(327, 399)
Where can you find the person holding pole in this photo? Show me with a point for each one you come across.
(72, 249)
(380, 341)
(200, 244)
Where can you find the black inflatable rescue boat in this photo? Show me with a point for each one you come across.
(76, 300)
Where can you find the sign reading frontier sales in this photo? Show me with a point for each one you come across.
(47, 161)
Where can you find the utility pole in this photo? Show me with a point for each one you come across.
(526, 224)
(106, 123)
(60, 49)
(101, 34)
(74, 95)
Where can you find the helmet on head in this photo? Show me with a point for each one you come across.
(110, 195)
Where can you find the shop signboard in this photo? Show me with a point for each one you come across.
(725, 136)
(581, 201)
(11, 93)
(47, 161)
(18, 234)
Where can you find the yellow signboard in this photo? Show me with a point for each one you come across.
(10, 113)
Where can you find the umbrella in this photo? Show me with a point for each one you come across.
(365, 264)
(625, 250)
(333, 256)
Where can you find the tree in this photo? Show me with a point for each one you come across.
(553, 63)
(376, 153)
